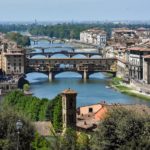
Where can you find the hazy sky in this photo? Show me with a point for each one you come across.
(76, 10)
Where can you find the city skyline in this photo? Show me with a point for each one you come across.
(74, 10)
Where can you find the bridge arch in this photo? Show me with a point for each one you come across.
(59, 55)
(36, 76)
(68, 74)
(93, 73)
(38, 56)
(79, 56)
(96, 56)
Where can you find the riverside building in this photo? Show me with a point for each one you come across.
(94, 37)
(12, 58)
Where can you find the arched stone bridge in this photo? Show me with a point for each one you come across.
(66, 53)
(29, 49)
(36, 39)
(84, 66)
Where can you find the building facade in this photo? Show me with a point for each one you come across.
(12, 58)
(146, 69)
(94, 36)
(69, 108)
(135, 57)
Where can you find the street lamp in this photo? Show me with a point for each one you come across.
(19, 125)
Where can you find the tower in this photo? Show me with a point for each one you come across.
(69, 108)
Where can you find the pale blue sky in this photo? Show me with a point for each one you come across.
(76, 10)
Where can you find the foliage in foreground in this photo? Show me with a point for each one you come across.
(70, 140)
(122, 129)
(34, 108)
(8, 132)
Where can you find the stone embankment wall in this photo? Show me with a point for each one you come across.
(140, 86)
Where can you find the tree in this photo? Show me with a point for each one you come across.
(40, 143)
(83, 141)
(57, 115)
(18, 38)
(8, 132)
(69, 140)
(122, 129)
(26, 87)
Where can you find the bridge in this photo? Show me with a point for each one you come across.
(66, 53)
(36, 39)
(50, 47)
(84, 66)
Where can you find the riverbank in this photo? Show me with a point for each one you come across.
(117, 83)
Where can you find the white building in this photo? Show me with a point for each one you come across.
(94, 37)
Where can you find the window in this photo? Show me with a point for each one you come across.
(90, 110)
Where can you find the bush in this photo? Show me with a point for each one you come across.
(122, 129)
(26, 87)
(8, 132)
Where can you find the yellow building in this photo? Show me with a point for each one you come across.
(12, 58)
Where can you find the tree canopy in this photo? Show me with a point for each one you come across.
(36, 109)
(8, 132)
(122, 129)
(18, 38)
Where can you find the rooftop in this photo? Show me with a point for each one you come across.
(142, 49)
(90, 121)
(44, 128)
(95, 31)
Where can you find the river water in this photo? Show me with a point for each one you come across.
(92, 91)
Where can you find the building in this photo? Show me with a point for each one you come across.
(69, 108)
(143, 33)
(12, 58)
(94, 36)
(125, 36)
(146, 69)
(89, 117)
(135, 60)
(123, 32)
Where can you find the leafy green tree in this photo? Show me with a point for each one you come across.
(122, 129)
(57, 115)
(69, 140)
(34, 108)
(83, 141)
(8, 132)
(26, 87)
(18, 38)
(40, 143)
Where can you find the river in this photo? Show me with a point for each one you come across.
(92, 91)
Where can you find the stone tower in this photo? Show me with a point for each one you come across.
(69, 108)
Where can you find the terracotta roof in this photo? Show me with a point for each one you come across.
(142, 29)
(138, 49)
(101, 113)
(91, 120)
